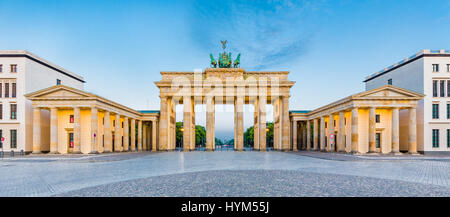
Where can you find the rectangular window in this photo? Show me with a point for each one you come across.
(442, 88)
(6, 90)
(325, 124)
(448, 111)
(377, 118)
(390, 81)
(13, 68)
(1, 68)
(378, 140)
(14, 90)
(13, 138)
(334, 122)
(448, 88)
(435, 89)
(345, 121)
(448, 68)
(71, 119)
(1, 111)
(1, 90)
(448, 138)
(435, 67)
(435, 111)
(13, 111)
(58, 82)
(435, 138)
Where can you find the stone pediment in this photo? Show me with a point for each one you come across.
(387, 92)
(58, 92)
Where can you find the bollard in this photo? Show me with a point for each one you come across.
(22, 153)
(1, 154)
(12, 153)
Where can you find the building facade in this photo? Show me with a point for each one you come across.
(65, 119)
(426, 72)
(22, 72)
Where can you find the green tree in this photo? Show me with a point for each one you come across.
(250, 133)
(200, 135)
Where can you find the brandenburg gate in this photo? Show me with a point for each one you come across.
(224, 86)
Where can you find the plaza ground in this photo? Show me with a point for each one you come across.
(225, 173)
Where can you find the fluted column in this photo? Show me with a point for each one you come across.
(53, 130)
(256, 125)
(412, 141)
(94, 130)
(372, 146)
(133, 134)
(76, 130)
(239, 125)
(308, 135)
(355, 136)
(154, 148)
(341, 141)
(139, 135)
(117, 135)
(285, 123)
(262, 123)
(126, 133)
(210, 124)
(163, 124)
(294, 135)
(331, 139)
(144, 137)
(36, 131)
(107, 132)
(316, 135)
(322, 133)
(395, 131)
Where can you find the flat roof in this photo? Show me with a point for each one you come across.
(36, 58)
(148, 111)
(418, 55)
(299, 111)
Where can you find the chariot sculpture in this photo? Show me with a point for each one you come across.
(225, 59)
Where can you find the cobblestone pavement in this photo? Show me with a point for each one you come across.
(47, 176)
(261, 183)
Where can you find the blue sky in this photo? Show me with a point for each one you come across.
(121, 46)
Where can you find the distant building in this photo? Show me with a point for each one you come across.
(22, 72)
(427, 72)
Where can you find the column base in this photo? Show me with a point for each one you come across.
(209, 149)
(413, 153)
(54, 152)
(94, 152)
(36, 152)
(76, 152)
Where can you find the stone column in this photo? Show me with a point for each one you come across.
(331, 141)
(355, 137)
(285, 123)
(372, 146)
(126, 133)
(144, 137)
(133, 135)
(341, 141)
(395, 131)
(36, 131)
(322, 133)
(308, 135)
(107, 132)
(76, 130)
(262, 123)
(210, 119)
(294, 135)
(53, 130)
(163, 124)
(412, 141)
(187, 123)
(94, 130)
(117, 135)
(239, 125)
(256, 125)
(154, 136)
(304, 146)
(316, 135)
(139, 135)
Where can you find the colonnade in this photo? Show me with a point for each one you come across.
(98, 136)
(281, 122)
(354, 130)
